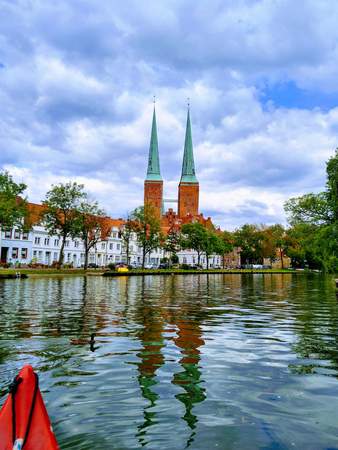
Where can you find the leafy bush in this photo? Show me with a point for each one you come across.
(174, 259)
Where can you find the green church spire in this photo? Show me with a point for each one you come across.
(153, 172)
(188, 166)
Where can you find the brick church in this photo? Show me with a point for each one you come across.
(188, 187)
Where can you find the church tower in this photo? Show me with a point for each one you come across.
(188, 189)
(153, 184)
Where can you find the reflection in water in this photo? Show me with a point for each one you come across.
(189, 340)
(224, 361)
(151, 358)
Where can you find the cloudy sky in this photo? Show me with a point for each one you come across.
(77, 79)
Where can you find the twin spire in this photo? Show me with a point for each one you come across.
(153, 171)
(188, 166)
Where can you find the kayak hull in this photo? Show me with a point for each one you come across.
(30, 421)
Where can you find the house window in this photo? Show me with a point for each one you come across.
(24, 252)
(34, 253)
(8, 234)
(16, 234)
(67, 244)
(111, 246)
(55, 256)
(115, 235)
(76, 244)
(118, 246)
(46, 241)
(56, 242)
(15, 252)
(37, 240)
(103, 246)
(25, 236)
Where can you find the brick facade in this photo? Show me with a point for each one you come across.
(153, 194)
(188, 199)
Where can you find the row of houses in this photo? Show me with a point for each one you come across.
(37, 246)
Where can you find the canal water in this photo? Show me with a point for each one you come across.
(196, 361)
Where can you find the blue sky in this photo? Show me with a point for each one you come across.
(77, 80)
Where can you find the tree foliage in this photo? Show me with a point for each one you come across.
(193, 237)
(309, 208)
(147, 226)
(61, 213)
(13, 207)
(250, 239)
(126, 233)
(314, 223)
(211, 244)
(332, 185)
(172, 244)
(226, 243)
(90, 226)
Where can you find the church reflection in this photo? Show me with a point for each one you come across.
(189, 340)
(156, 320)
(151, 358)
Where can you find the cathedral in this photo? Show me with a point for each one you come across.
(188, 187)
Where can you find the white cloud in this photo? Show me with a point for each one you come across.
(76, 87)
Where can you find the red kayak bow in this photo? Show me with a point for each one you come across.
(24, 422)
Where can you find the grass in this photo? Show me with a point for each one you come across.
(12, 271)
(204, 271)
(106, 272)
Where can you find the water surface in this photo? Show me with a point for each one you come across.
(197, 361)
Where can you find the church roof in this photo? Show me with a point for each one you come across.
(153, 171)
(188, 166)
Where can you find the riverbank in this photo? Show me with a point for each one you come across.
(24, 273)
(195, 272)
(16, 273)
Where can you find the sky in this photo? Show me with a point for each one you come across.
(77, 80)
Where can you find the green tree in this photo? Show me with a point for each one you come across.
(332, 185)
(314, 218)
(274, 240)
(126, 234)
(251, 240)
(13, 207)
(147, 226)
(90, 226)
(61, 212)
(211, 244)
(172, 244)
(194, 237)
(310, 208)
(226, 245)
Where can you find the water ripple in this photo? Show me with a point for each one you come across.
(221, 361)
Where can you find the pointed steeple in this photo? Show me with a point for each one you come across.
(188, 166)
(153, 171)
